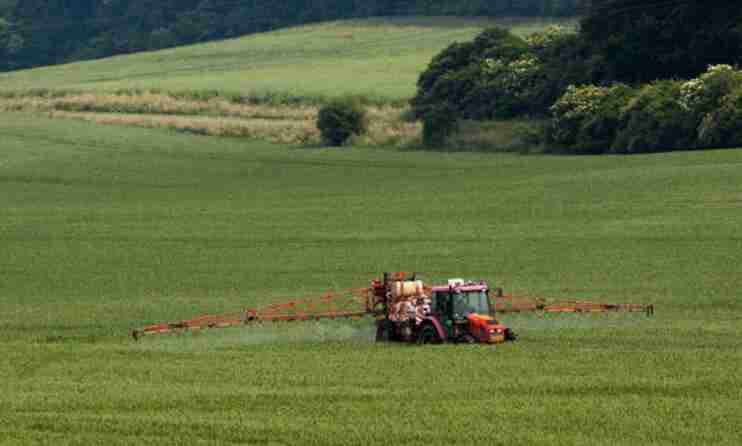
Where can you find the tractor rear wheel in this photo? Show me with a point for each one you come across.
(428, 335)
(382, 333)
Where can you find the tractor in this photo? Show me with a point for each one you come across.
(459, 312)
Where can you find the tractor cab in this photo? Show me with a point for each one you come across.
(465, 311)
(458, 300)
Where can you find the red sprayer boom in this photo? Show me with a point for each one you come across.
(360, 302)
(347, 304)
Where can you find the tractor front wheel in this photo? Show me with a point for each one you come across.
(428, 335)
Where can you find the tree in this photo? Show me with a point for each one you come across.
(637, 41)
(455, 73)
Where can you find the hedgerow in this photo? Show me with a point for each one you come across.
(586, 119)
(665, 115)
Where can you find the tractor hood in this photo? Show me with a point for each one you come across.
(483, 319)
(486, 329)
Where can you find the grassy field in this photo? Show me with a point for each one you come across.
(107, 228)
(267, 86)
(376, 58)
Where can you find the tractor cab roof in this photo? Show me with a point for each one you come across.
(461, 288)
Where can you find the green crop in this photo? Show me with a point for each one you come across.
(104, 229)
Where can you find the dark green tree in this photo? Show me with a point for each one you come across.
(640, 41)
(454, 75)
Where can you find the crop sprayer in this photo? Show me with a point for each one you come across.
(405, 309)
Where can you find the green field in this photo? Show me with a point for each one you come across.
(377, 58)
(106, 228)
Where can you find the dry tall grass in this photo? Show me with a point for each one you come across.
(292, 132)
(154, 103)
(286, 124)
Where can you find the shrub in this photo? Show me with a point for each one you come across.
(704, 94)
(454, 92)
(439, 124)
(655, 120)
(499, 43)
(340, 119)
(587, 119)
(723, 126)
(508, 87)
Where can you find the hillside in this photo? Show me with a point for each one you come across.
(379, 58)
(46, 32)
(108, 228)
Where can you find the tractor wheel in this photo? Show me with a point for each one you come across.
(382, 333)
(510, 335)
(467, 339)
(428, 335)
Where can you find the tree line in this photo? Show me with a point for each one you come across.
(637, 76)
(43, 32)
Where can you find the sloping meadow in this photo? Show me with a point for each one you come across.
(267, 86)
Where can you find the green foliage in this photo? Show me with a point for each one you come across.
(654, 120)
(501, 76)
(163, 38)
(456, 57)
(587, 119)
(722, 127)
(563, 60)
(438, 125)
(340, 119)
(703, 95)
(6, 7)
(459, 79)
(666, 115)
(618, 41)
(636, 43)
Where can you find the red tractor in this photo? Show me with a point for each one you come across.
(460, 312)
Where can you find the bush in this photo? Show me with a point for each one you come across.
(704, 94)
(587, 119)
(666, 115)
(438, 125)
(655, 120)
(339, 120)
(509, 87)
(723, 126)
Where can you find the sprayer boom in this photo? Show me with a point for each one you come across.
(377, 301)
(343, 305)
